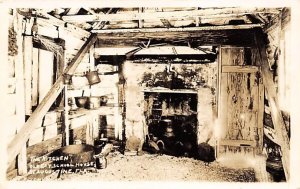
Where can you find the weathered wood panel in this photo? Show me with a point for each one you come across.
(242, 106)
(239, 101)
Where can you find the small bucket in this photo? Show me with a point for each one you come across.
(93, 77)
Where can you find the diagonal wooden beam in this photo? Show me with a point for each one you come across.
(21, 138)
(168, 15)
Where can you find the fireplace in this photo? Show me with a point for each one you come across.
(171, 116)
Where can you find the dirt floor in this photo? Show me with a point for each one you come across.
(149, 167)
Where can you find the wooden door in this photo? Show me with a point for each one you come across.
(239, 103)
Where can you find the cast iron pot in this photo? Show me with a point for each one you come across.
(81, 101)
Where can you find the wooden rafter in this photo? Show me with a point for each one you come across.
(20, 139)
(254, 19)
(100, 24)
(168, 15)
(47, 19)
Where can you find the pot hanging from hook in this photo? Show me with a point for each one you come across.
(92, 76)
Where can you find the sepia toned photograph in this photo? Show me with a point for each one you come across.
(192, 94)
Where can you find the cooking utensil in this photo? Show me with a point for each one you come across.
(80, 101)
(103, 100)
(93, 77)
(93, 102)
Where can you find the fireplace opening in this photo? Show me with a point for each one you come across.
(172, 123)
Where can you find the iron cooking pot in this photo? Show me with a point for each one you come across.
(80, 101)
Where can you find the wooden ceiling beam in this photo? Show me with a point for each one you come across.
(168, 15)
(187, 29)
(176, 36)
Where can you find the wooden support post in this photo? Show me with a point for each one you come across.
(66, 123)
(277, 118)
(116, 113)
(27, 50)
(20, 97)
(20, 139)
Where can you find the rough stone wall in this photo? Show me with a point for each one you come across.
(200, 77)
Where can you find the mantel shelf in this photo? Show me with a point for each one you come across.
(166, 90)
(103, 110)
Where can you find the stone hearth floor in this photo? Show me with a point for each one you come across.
(152, 167)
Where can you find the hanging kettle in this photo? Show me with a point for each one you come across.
(93, 77)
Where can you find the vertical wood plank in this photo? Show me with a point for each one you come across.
(35, 76)
(260, 124)
(20, 95)
(27, 49)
